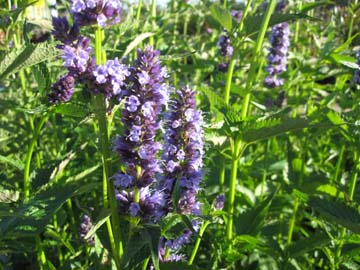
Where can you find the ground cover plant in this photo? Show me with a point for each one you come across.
(205, 135)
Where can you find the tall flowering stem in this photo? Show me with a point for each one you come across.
(237, 145)
(99, 103)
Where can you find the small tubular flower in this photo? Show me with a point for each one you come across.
(101, 12)
(63, 32)
(277, 58)
(85, 226)
(224, 45)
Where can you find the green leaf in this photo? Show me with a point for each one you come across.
(14, 162)
(303, 246)
(151, 235)
(133, 44)
(178, 266)
(252, 25)
(309, 6)
(26, 56)
(134, 252)
(337, 212)
(222, 15)
(265, 129)
(103, 217)
(253, 220)
(72, 109)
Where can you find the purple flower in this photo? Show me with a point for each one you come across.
(85, 227)
(101, 12)
(183, 151)
(110, 78)
(63, 32)
(62, 90)
(219, 202)
(224, 44)
(76, 57)
(277, 57)
(357, 71)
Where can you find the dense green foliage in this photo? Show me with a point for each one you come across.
(292, 168)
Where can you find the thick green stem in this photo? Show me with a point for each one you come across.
(225, 3)
(232, 190)
(351, 25)
(197, 243)
(99, 102)
(229, 80)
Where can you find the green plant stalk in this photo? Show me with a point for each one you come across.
(338, 164)
(138, 11)
(255, 62)
(113, 225)
(229, 80)
(233, 179)
(239, 147)
(297, 25)
(352, 21)
(145, 264)
(153, 17)
(225, 3)
(351, 191)
(198, 240)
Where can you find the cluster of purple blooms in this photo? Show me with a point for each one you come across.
(277, 58)
(77, 53)
(101, 12)
(85, 226)
(357, 71)
(144, 98)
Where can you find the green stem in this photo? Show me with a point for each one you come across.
(225, 3)
(222, 173)
(198, 240)
(292, 222)
(233, 179)
(153, 17)
(352, 20)
(99, 103)
(229, 80)
(138, 11)
(257, 50)
(145, 264)
(40, 253)
(29, 156)
(338, 164)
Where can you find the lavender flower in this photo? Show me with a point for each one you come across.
(144, 98)
(277, 57)
(224, 44)
(63, 32)
(183, 151)
(85, 227)
(101, 12)
(62, 90)
(77, 57)
(357, 71)
(237, 15)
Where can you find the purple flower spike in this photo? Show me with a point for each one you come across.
(183, 151)
(224, 44)
(62, 90)
(101, 12)
(85, 227)
(143, 100)
(277, 57)
(63, 32)
(357, 71)
(219, 202)
(77, 57)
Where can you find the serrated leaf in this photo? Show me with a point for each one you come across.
(8, 196)
(72, 109)
(337, 212)
(222, 15)
(252, 221)
(38, 110)
(151, 235)
(26, 56)
(103, 217)
(303, 246)
(273, 127)
(133, 254)
(133, 44)
(14, 162)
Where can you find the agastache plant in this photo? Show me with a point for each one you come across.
(137, 147)
(277, 58)
(85, 226)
